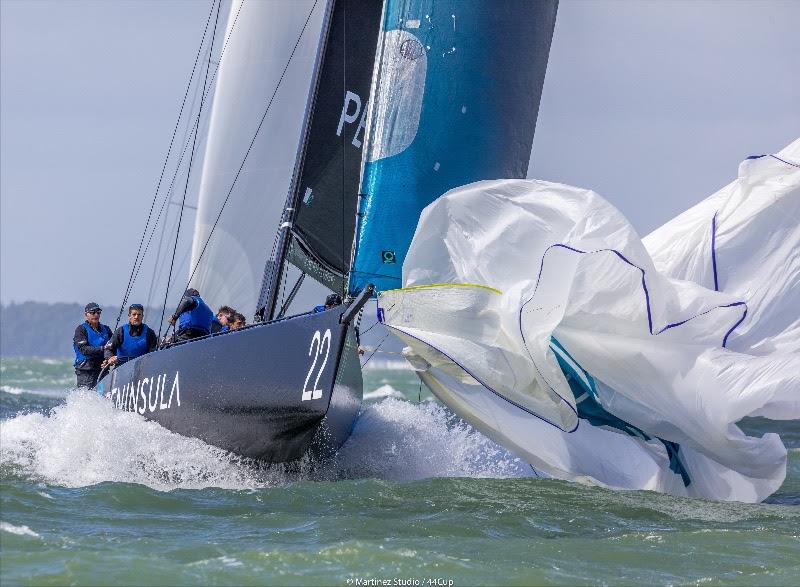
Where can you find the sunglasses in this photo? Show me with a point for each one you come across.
(94, 312)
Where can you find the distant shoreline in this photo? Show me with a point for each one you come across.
(45, 330)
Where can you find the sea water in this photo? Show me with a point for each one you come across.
(92, 495)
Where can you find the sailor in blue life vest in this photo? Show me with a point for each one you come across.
(192, 318)
(331, 301)
(130, 340)
(88, 341)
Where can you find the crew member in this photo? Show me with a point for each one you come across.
(130, 340)
(193, 317)
(88, 341)
(239, 321)
(331, 301)
(223, 320)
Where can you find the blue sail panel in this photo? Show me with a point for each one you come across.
(455, 100)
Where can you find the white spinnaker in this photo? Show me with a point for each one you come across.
(749, 233)
(260, 43)
(570, 266)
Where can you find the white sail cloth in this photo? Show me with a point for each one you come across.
(497, 268)
(243, 206)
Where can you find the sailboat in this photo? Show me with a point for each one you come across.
(407, 99)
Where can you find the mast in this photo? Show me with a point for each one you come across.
(317, 226)
(273, 270)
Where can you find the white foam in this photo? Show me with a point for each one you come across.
(402, 441)
(86, 441)
(11, 389)
(387, 365)
(382, 392)
(18, 530)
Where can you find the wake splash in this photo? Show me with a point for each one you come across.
(397, 440)
(86, 441)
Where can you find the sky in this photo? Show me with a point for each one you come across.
(652, 104)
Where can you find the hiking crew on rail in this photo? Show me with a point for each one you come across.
(97, 348)
(130, 340)
(192, 318)
(88, 343)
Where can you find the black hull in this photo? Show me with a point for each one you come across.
(272, 391)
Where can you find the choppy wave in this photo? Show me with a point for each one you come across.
(85, 441)
(383, 391)
(398, 440)
(11, 389)
(18, 530)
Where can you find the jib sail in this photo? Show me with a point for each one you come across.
(327, 186)
(258, 43)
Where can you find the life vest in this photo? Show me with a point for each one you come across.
(95, 339)
(320, 308)
(198, 317)
(132, 346)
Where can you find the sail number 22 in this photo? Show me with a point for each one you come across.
(315, 350)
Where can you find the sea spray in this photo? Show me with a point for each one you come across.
(400, 441)
(86, 441)
(232, 521)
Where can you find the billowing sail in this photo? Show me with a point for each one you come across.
(327, 187)
(536, 313)
(259, 43)
(456, 99)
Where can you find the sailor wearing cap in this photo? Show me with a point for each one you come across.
(130, 340)
(88, 341)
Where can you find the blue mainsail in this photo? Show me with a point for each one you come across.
(455, 100)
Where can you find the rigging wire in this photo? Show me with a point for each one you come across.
(189, 171)
(164, 167)
(377, 348)
(187, 139)
(252, 142)
(168, 197)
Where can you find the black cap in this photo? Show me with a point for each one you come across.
(191, 292)
(91, 307)
(139, 307)
(333, 299)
